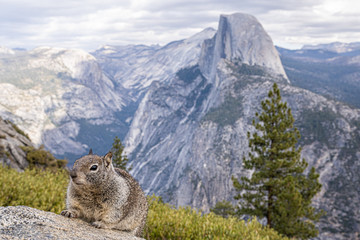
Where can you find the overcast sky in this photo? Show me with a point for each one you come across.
(88, 24)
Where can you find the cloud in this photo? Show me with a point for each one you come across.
(89, 24)
(324, 22)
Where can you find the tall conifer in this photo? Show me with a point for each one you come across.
(119, 159)
(278, 189)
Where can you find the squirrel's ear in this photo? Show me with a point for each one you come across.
(90, 151)
(107, 159)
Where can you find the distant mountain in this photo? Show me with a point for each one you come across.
(82, 101)
(58, 95)
(137, 66)
(184, 110)
(336, 47)
(331, 70)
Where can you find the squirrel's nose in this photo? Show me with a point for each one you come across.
(73, 174)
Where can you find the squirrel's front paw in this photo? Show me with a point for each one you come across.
(69, 214)
(99, 224)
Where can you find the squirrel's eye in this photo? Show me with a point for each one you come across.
(93, 167)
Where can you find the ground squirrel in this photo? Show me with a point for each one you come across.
(105, 196)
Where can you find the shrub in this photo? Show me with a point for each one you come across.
(227, 113)
(41, 189)
(166, 222)
(18, 130)
(189, 74)
(2, 151)
(224, 209)
(42, 158)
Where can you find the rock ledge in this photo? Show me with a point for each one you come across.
(22, 222)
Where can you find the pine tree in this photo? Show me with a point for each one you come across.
(278, 189)
(119, 159)
(224, 209)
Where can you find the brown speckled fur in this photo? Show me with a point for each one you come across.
(107, 197)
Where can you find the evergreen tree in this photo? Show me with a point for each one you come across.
(119, 159)
(224, 209)
(278, 189)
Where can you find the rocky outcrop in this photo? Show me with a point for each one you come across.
(11, 141)
(240, 37)
(22, 222)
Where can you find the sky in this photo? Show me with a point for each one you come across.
(90, 24)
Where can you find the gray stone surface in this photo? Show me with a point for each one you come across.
(21, 222)
(242, 37)
(11, 141)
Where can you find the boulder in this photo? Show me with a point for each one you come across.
(21, 222)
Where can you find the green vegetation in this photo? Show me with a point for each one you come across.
(246, 74)
(43, 186)
(44, 190)
(17, 129)
(119, 159)
(227, 113)
(278, 190)
(42, 158)
(316, 125)
(240, 68)
(188, 75)
(224, 209)
(166, 222)
(2, 151)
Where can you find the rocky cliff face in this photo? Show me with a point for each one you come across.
(11, 141)
(240, 37)
(49, 92)
(165, 127)
(188, 136)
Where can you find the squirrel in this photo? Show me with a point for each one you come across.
(105, 196)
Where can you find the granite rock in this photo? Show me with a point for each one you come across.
(21, 222)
